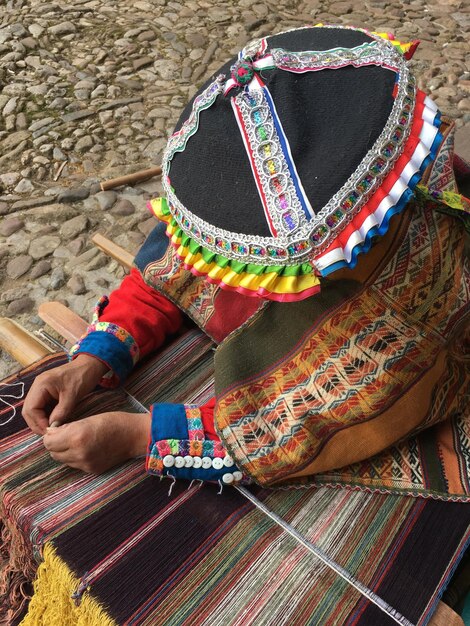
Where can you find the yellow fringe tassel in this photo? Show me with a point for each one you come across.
(51, 604)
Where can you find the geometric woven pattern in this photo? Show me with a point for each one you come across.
(356, 376)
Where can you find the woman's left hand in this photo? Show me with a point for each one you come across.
(97, 443)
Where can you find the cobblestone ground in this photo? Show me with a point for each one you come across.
(90, 89)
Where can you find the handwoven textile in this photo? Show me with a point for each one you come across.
(380, 354)
(136, 555)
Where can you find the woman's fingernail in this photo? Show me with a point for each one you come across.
(54, 425)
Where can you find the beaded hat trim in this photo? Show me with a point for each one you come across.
(294, 237)
(300, 237)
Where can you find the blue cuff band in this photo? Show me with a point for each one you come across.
(109, 349)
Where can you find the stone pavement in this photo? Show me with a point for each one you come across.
(90, 89)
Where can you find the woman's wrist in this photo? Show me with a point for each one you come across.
(94, 368)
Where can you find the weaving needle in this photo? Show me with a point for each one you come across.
(318, 552)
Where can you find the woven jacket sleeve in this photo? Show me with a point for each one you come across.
(183, 444)
(131, 323)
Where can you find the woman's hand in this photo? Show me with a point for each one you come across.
(97, 443)
(63, 386)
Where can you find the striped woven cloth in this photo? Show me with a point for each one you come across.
(132, 554)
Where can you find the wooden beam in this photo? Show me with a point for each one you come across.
(110, 248)
(131, 179)
(20, 343)
(67, 323)
(445, 616)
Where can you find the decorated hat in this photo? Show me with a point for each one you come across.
(289, 161)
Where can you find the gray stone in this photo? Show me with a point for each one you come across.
(138, 64)
(218, 15)
(76, 284)
(10, 226)
(61, 253)
(74, 194)
(31, 203)
(41, 268)
(196, 40)
(33, 61)
(123, 207)
(87, 256)
(19, 266)
(119, 103)
(75, 226)
(99, 261)
(38, 90)
(147, 226)
(76, 246)
(20, 305)
(12, 294)
(147, 35)
(13, 140)
(18, 30)
(24, 186)
(9, 179)
(43, 246)
(64, 28)
(36, 30)
(82, 94)
(106, 199)
(84, 143)
(46, 121)
(58, 155)
(10, 106)
(77, 115)
(155, 149)
(21, 121)
(84, 84)
(29, 42)
(57, 278)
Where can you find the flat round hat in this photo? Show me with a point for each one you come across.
(293, 156)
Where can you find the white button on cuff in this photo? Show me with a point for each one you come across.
(217, 463)
(168, 460)
(206, 462)
(197, 462)
(228, 461)
(227, 479)
(188, 461)
(179, 462)
(237, 476)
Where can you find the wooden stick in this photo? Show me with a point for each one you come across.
(21, 344)
(67, 323)
(445, 616)
(131, 179)
(112, 249)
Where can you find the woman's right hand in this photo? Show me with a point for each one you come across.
(64, 386)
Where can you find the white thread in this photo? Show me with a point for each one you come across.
(172, 484)
(16, 397)
(318, 552)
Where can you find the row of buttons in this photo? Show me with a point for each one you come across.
(197, 462)
(205, 462)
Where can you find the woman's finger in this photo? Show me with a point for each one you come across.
(57, 439)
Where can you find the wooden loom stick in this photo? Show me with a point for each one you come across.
(130, 179)
(110, 248)
(67, 323)
(21, 344)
